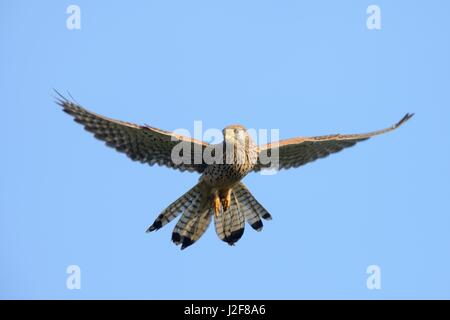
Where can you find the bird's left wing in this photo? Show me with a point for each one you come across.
(296, 152)
(140, 143)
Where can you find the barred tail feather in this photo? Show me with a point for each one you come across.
(177, 207)
(194, 229)
(193, 223)
(251, 216)
(253, 210)
(230, 224)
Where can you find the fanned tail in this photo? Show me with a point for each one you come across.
(197, 207)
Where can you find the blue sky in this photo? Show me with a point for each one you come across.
(304, 67)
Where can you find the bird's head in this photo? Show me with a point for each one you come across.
(235, 133)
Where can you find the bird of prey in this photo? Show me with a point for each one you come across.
(219, 192)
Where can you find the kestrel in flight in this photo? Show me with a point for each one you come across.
(219, 191)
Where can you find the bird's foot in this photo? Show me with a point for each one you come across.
(217, 206)
(226, 202)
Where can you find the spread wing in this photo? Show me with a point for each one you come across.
(140, 143)
(296, 152)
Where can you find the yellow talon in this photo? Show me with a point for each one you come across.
(226, 202)
(217, 206)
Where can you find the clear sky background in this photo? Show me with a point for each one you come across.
(304, 67)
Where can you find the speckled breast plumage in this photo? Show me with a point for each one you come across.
(226, 174)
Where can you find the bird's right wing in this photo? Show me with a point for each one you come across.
(140, 143)
(296, 152)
